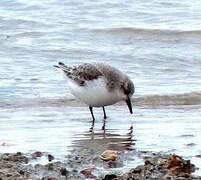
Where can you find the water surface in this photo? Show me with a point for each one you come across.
(156, 43)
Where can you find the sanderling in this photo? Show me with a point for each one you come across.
(98, 85)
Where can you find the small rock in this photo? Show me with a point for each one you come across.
(109, 177)
(16, 157)
(50, 157)
(137, 170)
(50, 166)
(36, 154)
(74, 170)
(49, 178)
(147, 162)
(21, 172)
(64, 172)
(174, 161)
(109, 155)
(87, 173)
(19, 153)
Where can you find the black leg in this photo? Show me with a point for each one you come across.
(93, 121)
(91, 110)
(103, 127)
(105, 117)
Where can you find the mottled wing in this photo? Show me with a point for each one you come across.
(81, 73)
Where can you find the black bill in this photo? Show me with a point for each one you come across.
(128, 102)
(56, 66)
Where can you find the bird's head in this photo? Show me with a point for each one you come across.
(128, 90)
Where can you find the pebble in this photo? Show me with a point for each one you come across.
(50, 157)
(109, 155)
(36, 154)
(110, 177)
(64, 172)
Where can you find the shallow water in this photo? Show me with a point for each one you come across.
(60, 129)
(156, 43)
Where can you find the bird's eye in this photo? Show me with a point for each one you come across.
(125, 89)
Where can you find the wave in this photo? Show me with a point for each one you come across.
(144, 31)
(193, 98)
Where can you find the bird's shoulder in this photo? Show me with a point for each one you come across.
(113, 76)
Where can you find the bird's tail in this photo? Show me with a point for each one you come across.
(62, 66)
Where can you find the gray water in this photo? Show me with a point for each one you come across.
(157, 43)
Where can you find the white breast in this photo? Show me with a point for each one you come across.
(95, 93)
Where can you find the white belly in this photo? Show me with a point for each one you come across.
(94, 93)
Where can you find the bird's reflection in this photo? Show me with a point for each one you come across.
(93, 123)
(100, 140)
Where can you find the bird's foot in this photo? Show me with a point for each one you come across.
(91, 129)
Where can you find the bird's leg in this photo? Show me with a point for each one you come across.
(105, 117)
(93, 121)
(103, 127)
(91, 110)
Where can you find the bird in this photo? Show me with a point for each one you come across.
(98, 85)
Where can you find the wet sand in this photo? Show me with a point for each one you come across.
(94, 159)
(64, 133)
(84, 164)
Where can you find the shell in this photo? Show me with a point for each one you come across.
(109, 155)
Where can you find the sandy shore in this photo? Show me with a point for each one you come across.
(82, 164)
